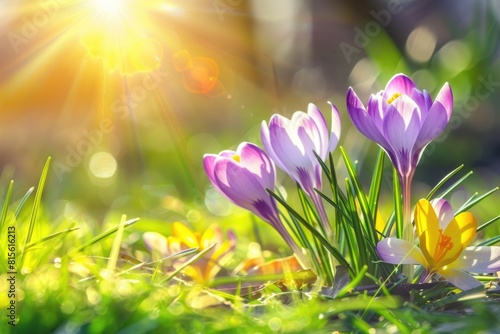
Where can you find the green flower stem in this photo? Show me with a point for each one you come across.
(408, 233)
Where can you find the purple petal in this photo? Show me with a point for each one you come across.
(309, 138)
(258, 162)
(399, 84)
(238, 184)
(401, 136)
(423, 100)
(432, 125)
(336, 128)
(290, 153)
(460, 279)
(444, 212)
(376, 109)
(445, 98)
(318, 118)
(481, 260)
(362, 120)
(266, 141)
(208, 165)
(398, 251)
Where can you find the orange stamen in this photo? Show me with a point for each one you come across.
(444, 244)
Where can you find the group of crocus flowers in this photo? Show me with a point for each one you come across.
(402, 120)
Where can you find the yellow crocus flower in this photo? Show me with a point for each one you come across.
(443, 249)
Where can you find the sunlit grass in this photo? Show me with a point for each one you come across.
(74, 279)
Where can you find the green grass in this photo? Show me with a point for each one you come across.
(75, 279)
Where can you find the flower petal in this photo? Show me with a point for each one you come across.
(156, 242)
(288, 149)
(185, 235)
(399, 84)
(237, 183)
(258, 162)
(461, 230)
(468, 227)
(266, 141)
(432, 125)
(444, 212)
(336, 128)
(459, 279)
(208, 165)
(479, 260)
(398, 251)
(423, 100)
(445, 98)
(318, 118)
(427, 225)
(401, 128)
(362, 120)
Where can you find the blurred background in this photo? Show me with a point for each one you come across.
(127, 96)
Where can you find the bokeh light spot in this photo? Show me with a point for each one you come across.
(275, 324)
(455, 56)
(216, 203)
(420, 44)
(102, 165)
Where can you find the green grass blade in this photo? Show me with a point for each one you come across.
(369, 223)
(188, 263)
(455, 185)
(115, 249)
(490, 242)
(353, 283)
(336, 254)
(49, 237)
(101, 236)
(6, 205)
(22, 202)
(36, 207)
(180, 254)
(398, 205)
(470, 204)
(489, 222)
(443, 181)
(376, 184)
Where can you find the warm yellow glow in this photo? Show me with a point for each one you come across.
(108, 6)
(116, 33)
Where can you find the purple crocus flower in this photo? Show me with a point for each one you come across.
(243, 177)
(291, 143)
(402, 119)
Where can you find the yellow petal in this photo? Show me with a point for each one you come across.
(185, 235)
(468, 227)
(211, 235)
(427, 225)
(461, 230)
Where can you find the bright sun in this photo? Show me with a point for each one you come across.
(108, 6)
